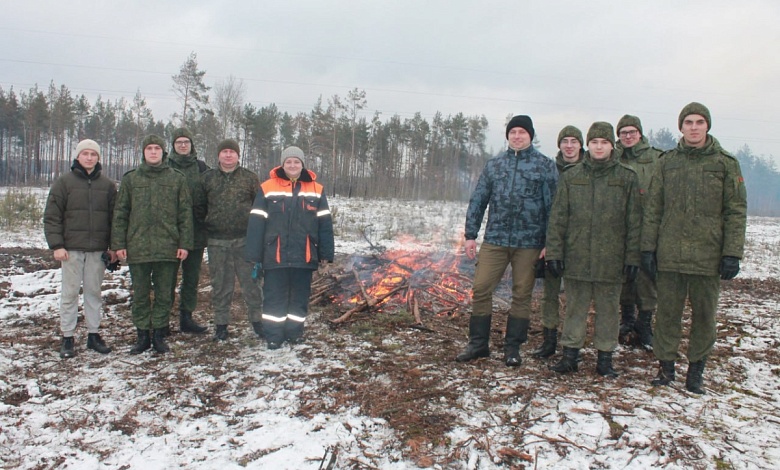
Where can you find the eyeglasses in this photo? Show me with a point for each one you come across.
(628, 133)
(182, 142)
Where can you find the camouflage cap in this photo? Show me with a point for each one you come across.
(228, 144)
(87, 144)
(181, 132)
(695, 108)
(570, 131)
(601, 130)
(153, 139)
(292, 152)
(629, 120)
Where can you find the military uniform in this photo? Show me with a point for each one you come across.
(152, 221)
(696, 213)
(192, 168)
(229, 197)
(594, 229)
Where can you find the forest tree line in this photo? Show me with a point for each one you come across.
(409, 158)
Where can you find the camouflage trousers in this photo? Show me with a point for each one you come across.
(606, 299)
(491, 264)
(190, 276)
(703, 293)
(226, 263)
(643, 292)
(151, 277)
(551, 302)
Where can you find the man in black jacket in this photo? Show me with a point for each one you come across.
(77, 225)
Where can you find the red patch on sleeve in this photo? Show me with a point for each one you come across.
(741, 179)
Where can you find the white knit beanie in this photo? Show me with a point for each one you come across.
(87, 144)
(291, 152)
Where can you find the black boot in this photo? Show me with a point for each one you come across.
(604, 365)
(549, 344)
(665, 374)
(96, 343)
(694, 382)
(516, 334)
(257, 326)
(144, 342)
(221, 334)
(644, 329)
(188, 325)
(166, 331)
(479, 339)
(568, 362)
(627, 319)
(158, 341)
(67, 349)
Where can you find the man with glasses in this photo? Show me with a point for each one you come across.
(184, 158)
(639, 155)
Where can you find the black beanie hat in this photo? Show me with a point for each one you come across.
(570, 131)
(229, 144)
(521, 120)
(601, 130)
(695, 108)
(629, 120)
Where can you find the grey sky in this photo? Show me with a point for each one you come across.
(561, 62)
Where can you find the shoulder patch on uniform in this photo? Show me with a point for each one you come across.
(129, 171)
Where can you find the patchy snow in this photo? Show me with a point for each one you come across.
(238, 405)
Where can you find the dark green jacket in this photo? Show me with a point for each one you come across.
(643, 158)
(79, 210)
(563, 165)
(153, 214)
(229, 199)
(595, 221)
(696, 210)
(192, 169)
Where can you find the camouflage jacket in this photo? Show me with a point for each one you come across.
(229, 198)
(518, 186)
(643, 159)
(192, 169)
(563, 165)
(696, 210)
(595, 221)
(153, 214)
(79, 210)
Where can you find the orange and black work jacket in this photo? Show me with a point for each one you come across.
(290, 225)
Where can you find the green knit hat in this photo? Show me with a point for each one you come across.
(229, 144)
(153, 139)
(695, 108)
(601, 130)
(570, 131)
(181, 132)
(629, 120)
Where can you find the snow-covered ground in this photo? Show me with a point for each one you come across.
(238, 405)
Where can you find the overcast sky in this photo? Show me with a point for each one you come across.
(561, 62)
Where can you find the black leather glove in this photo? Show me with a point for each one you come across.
(729, 268)
(539, 268)
(555, 267)
(110, 267)
(650, 264)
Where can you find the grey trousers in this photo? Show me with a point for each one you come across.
(81, 269)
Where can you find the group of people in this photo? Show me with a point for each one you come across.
(166, 213)
(630, 229)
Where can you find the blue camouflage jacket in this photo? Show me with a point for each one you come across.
(518, 186)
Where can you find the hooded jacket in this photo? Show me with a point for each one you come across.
(595, 221)
(153, 214)
(79, 210)
(643, 158)
(696, 209)
(290, 225)
(518, 186)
